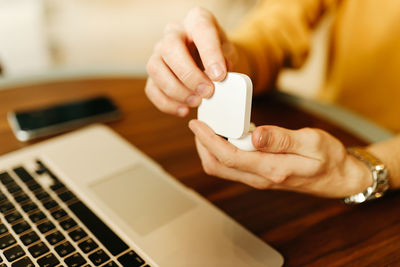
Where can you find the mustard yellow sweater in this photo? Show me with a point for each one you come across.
(364, 60)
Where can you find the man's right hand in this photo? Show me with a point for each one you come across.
(186, 60)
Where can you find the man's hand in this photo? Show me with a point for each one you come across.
(306, 160)
(185, 62)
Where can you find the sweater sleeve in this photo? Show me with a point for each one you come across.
(274, 34)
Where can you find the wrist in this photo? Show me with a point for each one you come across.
(359, 176)
(379, 175)
(380, 152)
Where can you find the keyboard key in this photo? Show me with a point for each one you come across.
(41, 195)
(2, 197)
(30, 206)
(24, 262)
(3, 229)
(110, 264)
(48, 261)
(6, 206)
(77, 234)
(7, 241)
(37, 217)
(21, 227)
(21, 198)
(14, 189)
(57, 186)
(11, 184)
(40, 171)
(5, 178)
(131, 259)
(103, 233)
(41, 166)
(64, 249)
(38, 249)
(58, 214)
(99, 257)
(50, 205)
(68, 224)
(14, 253)
(29, 238)
(45, 227)
(13, 217)
(55, 237)
(23, 174)
(75, 260)
(88, 245)
(33, 186)
(66, 196)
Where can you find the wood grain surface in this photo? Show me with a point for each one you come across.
(307, 230)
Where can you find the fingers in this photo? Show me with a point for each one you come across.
(176, 55)
(163, 102)
(176, 76)
(280, 170)
(169, 84)
(213, 167)
(275, 139)
(274, 167)
(203, 29)
(306, 142)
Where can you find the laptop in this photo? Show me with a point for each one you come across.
(89, 198)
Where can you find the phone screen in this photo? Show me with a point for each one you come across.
(64, 113)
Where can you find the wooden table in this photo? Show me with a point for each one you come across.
(305, 229)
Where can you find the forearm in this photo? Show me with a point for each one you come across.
(389, 153)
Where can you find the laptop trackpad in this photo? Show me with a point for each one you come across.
(142, 198)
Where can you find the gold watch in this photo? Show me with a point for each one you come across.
(380, 176)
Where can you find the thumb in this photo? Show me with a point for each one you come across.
(275, 139)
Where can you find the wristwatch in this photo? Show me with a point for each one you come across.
(380, 176)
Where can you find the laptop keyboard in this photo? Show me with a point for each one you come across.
(47, 225)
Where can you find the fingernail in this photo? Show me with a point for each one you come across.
(193, 100)
(262, 138)
(191, 125)
(182, 111)
(216, 70)
(203, 90)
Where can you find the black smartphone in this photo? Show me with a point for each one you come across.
(46, 121)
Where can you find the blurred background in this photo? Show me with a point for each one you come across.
(41, 38)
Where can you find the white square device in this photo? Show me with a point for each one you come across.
(227, 112)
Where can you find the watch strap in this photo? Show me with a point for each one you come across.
(379, 174)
